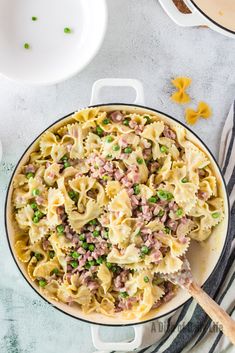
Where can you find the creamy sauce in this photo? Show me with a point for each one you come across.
(220, 11)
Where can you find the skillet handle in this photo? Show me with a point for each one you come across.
(117, 346)
(117, 82)
(185, 20)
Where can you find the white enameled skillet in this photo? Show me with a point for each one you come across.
(203, 258)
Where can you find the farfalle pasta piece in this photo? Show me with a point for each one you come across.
(60, 253)
(121, 203)
(136, 159)
(23, 250)
(119, 234)
(130, 255)
(55, 200)
(210, 214)
(74, 139)
(180, 96)
(168, 264)
(85, 115)
(52, 173)
(106, 307)
(152, 132)
(164, 171)
(203, 111)
(185, 191)
(78, 220)
(105, 277)
(92, 143)
(50, 146)
(112, 188)
(145, 304)
(68, 202)
(45, 269)
(24, 219)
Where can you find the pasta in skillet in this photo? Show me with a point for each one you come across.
(107, 205)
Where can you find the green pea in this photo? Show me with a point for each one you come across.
(184, 180)
(139, 160)
(82, 237)
(67, 30)
(127, 150)
(73, 195)
(38, 214)
(74, 264)
(161, 213)
(99, 260)
(91, 262)
(167, 230)
(99, 131)
(116, 148)
(42, 283)
(55, 271)
(67, 164)
(34, 206)
(146, 279)
(87, 266)
(144, 250)
(96, 233)
(105, 234)
(29, 175)
(152, 199)
(93, 222)
(36, 192)
(114, 269)
(179, 212)
(64, 158)
(109, 265)
(126, 122)
(91, 247)
(148, 119)
(35, 219)
(34, 18)
(164, 195)
(51, 254)
(60, 228)
(75, 255)
(26, 45)
(38, 255)
(123, 294)
(109, 139)
(109, 156)
(136, 189)
(106, 121)
(215, 215)
(163, 149)
(84, 245)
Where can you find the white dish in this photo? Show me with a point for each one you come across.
(53, 55)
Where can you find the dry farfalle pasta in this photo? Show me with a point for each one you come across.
(108, 204)
(203, 111)
(181, 84)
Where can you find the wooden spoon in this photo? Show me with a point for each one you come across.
(184, 279)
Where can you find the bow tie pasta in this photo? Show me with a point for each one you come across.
(107, 205)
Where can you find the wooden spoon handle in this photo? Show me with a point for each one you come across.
(214, 311)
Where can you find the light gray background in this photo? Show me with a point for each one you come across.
(141, 42)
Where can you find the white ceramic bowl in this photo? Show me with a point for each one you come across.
(53, 55)
(203, 257)
(201, 16)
